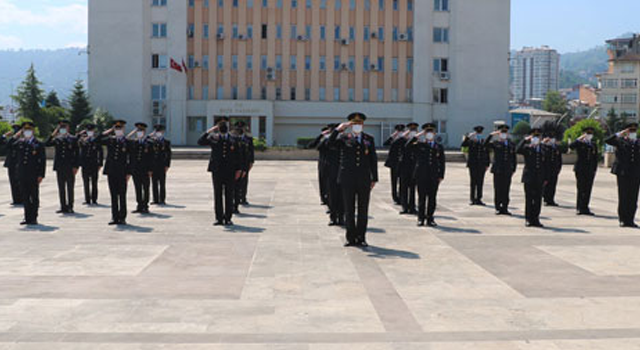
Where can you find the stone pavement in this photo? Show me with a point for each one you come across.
(281, 279)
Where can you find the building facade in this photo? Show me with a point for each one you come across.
(288, 67)
(618, 87)
(535, 71)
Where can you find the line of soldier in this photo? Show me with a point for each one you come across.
(146, 158)
(231, 160)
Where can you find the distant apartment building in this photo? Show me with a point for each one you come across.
(618, 87)
(288, 67)
(535, 71)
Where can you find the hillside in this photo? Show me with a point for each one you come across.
(581, 67)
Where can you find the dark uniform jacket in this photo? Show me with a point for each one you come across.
(10, 161)
(588, 156)
(535, 163)
(505, 160)
(247, 150)
(478, 156)
(331, 156)
(393, 159)
(141, 157)
(117, 155)
(407, 162)
(161, 154)
(91, 153)
(67, 152)
(627, 161)
(554, 158)
(31, 158)
(225, 152)
(430, 160)
(358, 160)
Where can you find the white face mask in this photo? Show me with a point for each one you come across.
(412, 134)
(159, 134)
(28, 133)
(63, 131)
(633, 136)
(430, 136)
(90, 133)
(119, 133)
(357, 128)
(552, 141)
(535, 141)
(503, 136)
(589, 137)
(140, 134)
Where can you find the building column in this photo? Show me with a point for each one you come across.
(255, 126)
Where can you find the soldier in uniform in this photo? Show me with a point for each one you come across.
(406, 168)
(91, 161)
(585, 168)
(534, 176)
(393, 159)
(324, 193)
(161, 163)
(140, 162)
(357, 175)
(503, 167)
(11, 162)
(429, 171)
(477, 161)
(554, 150)
(332, 164)
(31, 168)
(225, 168)
(246, 144)
(65, 164)
(117, 170)
(627, 169)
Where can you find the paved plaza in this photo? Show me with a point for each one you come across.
(280, 279)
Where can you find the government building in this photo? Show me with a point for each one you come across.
(288, 67)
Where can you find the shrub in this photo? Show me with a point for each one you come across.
(522, 129)
(260, 144)
(303, 142)
(576, 131)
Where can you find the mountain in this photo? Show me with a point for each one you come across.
(581, 67)
(56, 69)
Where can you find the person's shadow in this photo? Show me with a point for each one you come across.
(133, 228)
(40, 228)
(241, 228)
(386, 253)
(157, 215)
(258, 206)
(78, 215)
(254, 216)
(172, 206)
(449, 229)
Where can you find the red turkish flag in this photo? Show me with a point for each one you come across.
(184, 65)
(176, 66)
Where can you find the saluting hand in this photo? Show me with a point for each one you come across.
(342, 127)
(75, 171)
(373, 184)
(40, 180)
(238, 174)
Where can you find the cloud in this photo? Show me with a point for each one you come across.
(72, 17)
(76, 45)
(9, 42)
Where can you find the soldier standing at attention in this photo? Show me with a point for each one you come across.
(554, 150)
(31, 168)
(65, 164)
(393, 159)
(477, 161)
(332, 164)
(246, 143)
(324, 193)
(91, 160)
(11, 163)
(406, 168)
(160, 164)
(534, 176)
(357, 175)
(429, 171)
(225, 169)
(117, 170)
(140, 162)
(504, 166)
(585, 168)
(627, 168)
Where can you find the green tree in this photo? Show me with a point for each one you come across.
(555, 103)
(576, 131)
(52, 100)
(103, 119)
(53, 116)
(29, 97)
(80, 107)
(613, 122)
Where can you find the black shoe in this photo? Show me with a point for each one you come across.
(228, 223)
(244, 203)
(432, 223)
(145, 211)
(472, 203)
(405, 212)
(23, 223)
(551, 204)
(350, 244)
(114, 222)
(420, 223)
(507, 213)
(137, 211)
(628, 225)
(333, 223)
(15, 204)
(70, 211)
(61, 211)
(32, 223)
(413, 212)
(122, 223)
(498, 212)
(95, 202)
(363, 244)
(218, 223)
(236, 211)
(86, 203)
(528, 224)
(587, 213)
(480, 203)
(155, 203)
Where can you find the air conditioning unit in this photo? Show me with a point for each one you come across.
(445, 76)
(220, 36)
(242, 37)
(374, 68)
(190, 33)
(403, 37)
(196, 64)
(344, 67)
(158, 108)
(302, 38)
(269, 69)
(374, 35)
(345, 42)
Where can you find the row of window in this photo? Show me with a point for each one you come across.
(440, 5)
(623, 98)
(624, 83)
(305, 33)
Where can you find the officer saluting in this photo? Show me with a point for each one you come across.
(478, 162)
(246, 144)
(406, 168)
(11, 163)
(31, 167)
(140, 163)
(324, 193)
(65, 164)
(504, 165)
(117, 170)
(553, 154)
(429, 171)
(161, 163)
(585, 168)
(91, 160)
(225, 168)
(332, 165)
(627, 169)
(393, 159)
(358, 175)
(534, 176)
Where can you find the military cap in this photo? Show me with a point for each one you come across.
(28, 124)
(159, 127)
(428, 126)
(64, 122)
(222, 120)
(504, 127)
(536, 131)
(631, 125)
(357, 117)
(588, 128)
(119, 123)
(413, 125)
(240, 124)
(399, 127)
(90, 126)
(479, 128)
(141, 125)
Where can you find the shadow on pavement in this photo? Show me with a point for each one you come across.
(157, 216)
(450, 229)
(258, 206)
(376, 230)
(41, 228)
(241, 228)
(134, 228)
(255, 216)
(174, 206)
(385, 253)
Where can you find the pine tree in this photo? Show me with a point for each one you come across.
(80, 107)
(52, 100)
(29, 97)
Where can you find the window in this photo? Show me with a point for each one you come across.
(410, 65)
(338, 4)
(352, 63)
(264, 31)
(323, 4)
(191, 92)
(367, 33)
(365, 95)
(220, 3)
(205, 61)
(294, 62)
(441, 35)
(307, 31)
(610, 83)
(205, 92)
(307, 62)
(352, 95)
(352, 33)
(191, 30)
(263, 93)
(381, 64)
(220, 93)
(608, 98)
(409, 95)
(352, 5)
(323, 63)
(394, 95)
(308, 4)
(410, 5)
(220, 29)
(159, 61)
(381, 33)
(192, 62)
(627, 68)
(265, 3)
(440, 65)
(307, 94)
(629, 98)
(394, 64)
(158, 92)
(250, 3)
(441, 5)
(395, 34)
(192, 3)
(249, 31)
(220, 62)
(249, 93)
(410, 33)
(441, 96)
(263, 62)
(337, 36)
(278, 94)
(629, 83)
(631, 113)
(294, 31)
(336, 63)
(278, 4)
(159, 30)
(278, 31)
(323, 33)
(234, 93)
(159, 3)
(293, 94)
(294, 4)
(395, 5)
(381, 5)
(336, 94)
(234, 31)
(380, 96)
(322, 94)
(366, 63)
(249, 62)
(279, 62)
(367, 5)
(234, 62)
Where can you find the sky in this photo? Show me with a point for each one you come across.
(566, 25)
